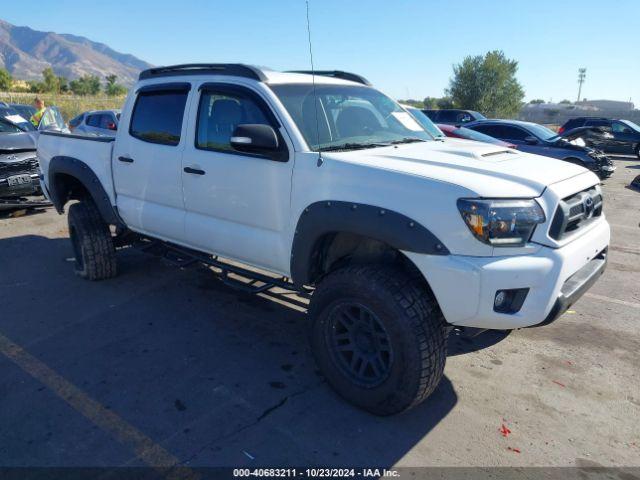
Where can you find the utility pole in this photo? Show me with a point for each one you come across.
(582, 74)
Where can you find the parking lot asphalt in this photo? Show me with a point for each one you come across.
(164, 366)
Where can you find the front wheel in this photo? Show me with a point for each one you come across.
(378, 337)
(95, 255)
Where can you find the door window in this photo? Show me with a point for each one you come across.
(107, 122)
(220, 112)
(448, 116)
(157, 116)
(514, 133)
(51, 120)
(93, 120)
(617, 127)
(494, 131)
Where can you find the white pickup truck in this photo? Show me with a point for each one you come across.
(336, 192)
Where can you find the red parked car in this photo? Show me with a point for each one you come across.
(468, 134)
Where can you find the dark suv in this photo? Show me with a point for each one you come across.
(19, 170)
(621, 136)
(533, 138)
(453, 116)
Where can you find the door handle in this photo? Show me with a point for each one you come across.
(194, 171)
(125, 159)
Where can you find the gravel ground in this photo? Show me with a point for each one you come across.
(163, 366)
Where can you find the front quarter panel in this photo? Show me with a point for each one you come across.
(431, 203)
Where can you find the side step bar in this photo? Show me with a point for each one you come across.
(183, 257)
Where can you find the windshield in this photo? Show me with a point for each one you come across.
(8, 127)
(541, 132)
(348, 117)
(426, 122)
(11, 115)
(24, 110)
(631, 125)
(477, 136)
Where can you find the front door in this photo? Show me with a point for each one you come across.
(147, 161)
(237, 204)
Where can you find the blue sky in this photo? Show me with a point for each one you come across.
(406, 48)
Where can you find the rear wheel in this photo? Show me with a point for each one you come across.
(95, 255)
(378, 337)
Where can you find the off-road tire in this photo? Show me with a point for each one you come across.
(95, 254)
(412, 320)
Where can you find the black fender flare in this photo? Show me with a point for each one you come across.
(86, 176)
(393, 228)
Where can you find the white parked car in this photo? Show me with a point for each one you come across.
(337, 193)
(96, 122)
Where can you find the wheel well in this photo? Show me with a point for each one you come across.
(338, 249)
(67, 187)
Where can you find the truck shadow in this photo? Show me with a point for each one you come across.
(219, 378)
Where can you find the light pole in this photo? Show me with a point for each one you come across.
(582, 74)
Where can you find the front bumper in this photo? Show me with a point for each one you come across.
(465, 287)
(576, 286)
(21, 190)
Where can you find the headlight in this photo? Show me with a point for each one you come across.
(501, 223)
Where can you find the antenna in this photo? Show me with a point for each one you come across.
(313, 81)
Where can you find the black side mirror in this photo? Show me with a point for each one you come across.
(256, 139)
(531, 140)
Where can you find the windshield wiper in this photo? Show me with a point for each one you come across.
(353, 146)
(407, 140)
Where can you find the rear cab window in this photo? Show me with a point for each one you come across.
(158, 113)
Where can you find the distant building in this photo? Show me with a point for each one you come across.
(558, 113)
(608, 105)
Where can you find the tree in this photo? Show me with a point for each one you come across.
(445, 102)
(536, 101)
(85, 85)
(5, 80)
(487, 84)
(430, 103)
(64, 85)
(565, 102)
(51, 81)
(113, 88)
(36, 87)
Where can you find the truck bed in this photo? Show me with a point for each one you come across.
(94, 151)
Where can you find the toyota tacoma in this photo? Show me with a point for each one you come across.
(334, 191)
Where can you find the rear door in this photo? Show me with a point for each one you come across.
(147, 161)
(237, 204)
(624, 137)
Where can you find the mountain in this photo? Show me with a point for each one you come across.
(25, 53)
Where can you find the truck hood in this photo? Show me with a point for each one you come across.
(488, 170)
(16, 142)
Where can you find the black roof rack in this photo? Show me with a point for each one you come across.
(336, 74)
(235, 69)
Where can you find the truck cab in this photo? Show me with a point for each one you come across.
(328, 185)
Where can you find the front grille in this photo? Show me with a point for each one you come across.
(600, 158)
(576, 212)
(28, 166)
